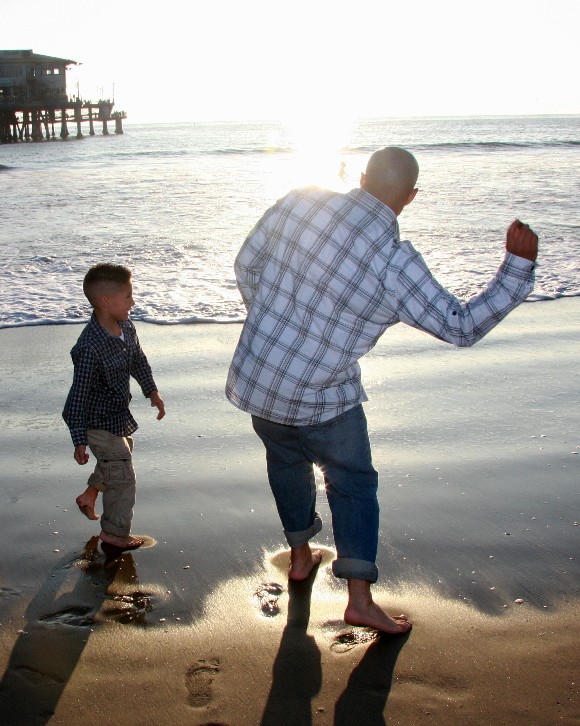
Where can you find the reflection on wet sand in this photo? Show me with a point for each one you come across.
(59, 623)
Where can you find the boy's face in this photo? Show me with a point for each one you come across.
(120, 302)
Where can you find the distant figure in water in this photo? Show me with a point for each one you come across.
(342, 171)
(97, 412)
(323, 275)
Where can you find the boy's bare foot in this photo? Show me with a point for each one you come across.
(363, 611)
(86, 502)
(302, 561)
(122, 543)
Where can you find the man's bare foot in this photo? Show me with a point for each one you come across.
(302, 561)
(374, 617)
(123, 543)
(86, 502)
(363, 611)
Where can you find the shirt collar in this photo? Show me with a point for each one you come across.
(373, 204)
(101, 333)
(376, 207)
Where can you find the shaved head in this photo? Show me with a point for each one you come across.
(390, 176)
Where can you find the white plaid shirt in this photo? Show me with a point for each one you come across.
(323, 275)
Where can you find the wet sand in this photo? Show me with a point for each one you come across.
(479, 456)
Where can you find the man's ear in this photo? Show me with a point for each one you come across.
(362, 180)
(411, 196)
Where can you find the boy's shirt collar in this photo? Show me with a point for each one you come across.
(102, 333)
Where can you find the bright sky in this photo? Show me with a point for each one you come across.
(189, 60)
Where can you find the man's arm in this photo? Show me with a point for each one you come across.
(425, 304)
(252, 257)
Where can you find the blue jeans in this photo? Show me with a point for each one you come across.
(341, 448)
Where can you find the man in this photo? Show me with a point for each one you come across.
(322, 276)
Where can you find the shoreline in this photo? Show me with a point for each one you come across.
(215, 321)
(478, 458)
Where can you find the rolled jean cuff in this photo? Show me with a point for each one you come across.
(297, 539)
(352, 569)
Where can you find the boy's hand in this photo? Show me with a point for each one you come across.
(157, 401)
(81, 456)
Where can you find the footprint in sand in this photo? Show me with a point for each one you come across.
(36, 677)
(128, 608)
(267, 597)
(80, 616)
(9, 592)
(198, 680)
(345, 637)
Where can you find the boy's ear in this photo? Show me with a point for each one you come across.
(102, 301)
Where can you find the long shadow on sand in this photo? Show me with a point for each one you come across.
(364, 699)
(59, 622)
(297, 672)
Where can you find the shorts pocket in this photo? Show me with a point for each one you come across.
(114, 471)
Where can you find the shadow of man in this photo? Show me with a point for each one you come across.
(297, 671)
(59, 622)
(364, 699)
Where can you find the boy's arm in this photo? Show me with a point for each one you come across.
(141, 372)
(140, 368)
(80, 455)
(157, 402)
(76, 403)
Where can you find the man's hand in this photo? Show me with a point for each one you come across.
(522, 241)
(157, 401)
(81, 456)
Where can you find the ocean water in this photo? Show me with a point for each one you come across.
(174, 202)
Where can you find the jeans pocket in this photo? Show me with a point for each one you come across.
(352, 413)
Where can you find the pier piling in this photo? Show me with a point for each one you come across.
(36, 121)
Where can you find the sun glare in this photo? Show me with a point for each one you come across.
(317, 152)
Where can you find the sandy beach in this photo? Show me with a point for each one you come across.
(478, 453)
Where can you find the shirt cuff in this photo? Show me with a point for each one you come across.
(520, 263)
(79, 437)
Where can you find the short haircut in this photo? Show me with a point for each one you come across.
(104, 277)
(393, 168)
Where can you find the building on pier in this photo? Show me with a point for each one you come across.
(34, 105)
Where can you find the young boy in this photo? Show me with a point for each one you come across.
(97, 412)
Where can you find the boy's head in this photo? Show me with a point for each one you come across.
(106, 281)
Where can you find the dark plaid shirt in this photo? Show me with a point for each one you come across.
(323, 275)
(99, 396)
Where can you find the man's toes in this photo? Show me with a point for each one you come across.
(403, 624)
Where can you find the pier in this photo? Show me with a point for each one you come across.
(45, 121)
(34, 105)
